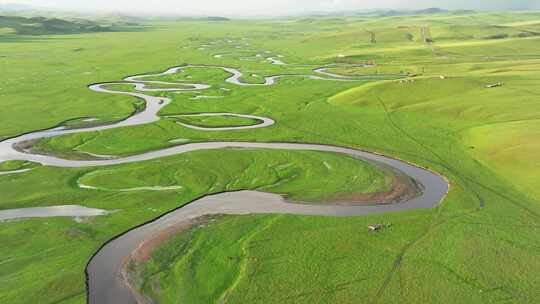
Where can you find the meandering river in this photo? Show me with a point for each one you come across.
(105, 284)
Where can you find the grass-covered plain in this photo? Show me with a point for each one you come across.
(61, 263)
(479, 246)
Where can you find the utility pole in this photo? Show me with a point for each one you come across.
(372, 38)
(426, 34)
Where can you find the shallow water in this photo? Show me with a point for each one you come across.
(54, 211)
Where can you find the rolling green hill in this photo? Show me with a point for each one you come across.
(49, 26)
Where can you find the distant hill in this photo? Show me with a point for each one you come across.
(431, 10)
(216, 18)
(49, 26)
(427, 11)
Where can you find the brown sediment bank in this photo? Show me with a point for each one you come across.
(402, 189)
(144, 252)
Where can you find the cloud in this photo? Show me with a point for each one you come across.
(264, 7)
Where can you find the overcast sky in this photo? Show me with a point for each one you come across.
(265, 7)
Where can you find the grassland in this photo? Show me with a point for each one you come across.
(288, 173)
(481, 245)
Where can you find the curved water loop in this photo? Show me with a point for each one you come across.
(263, 122)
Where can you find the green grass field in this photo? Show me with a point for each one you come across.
(481, 245)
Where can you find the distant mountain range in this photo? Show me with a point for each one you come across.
(389, 12)
(427, 11)
(49, 26)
